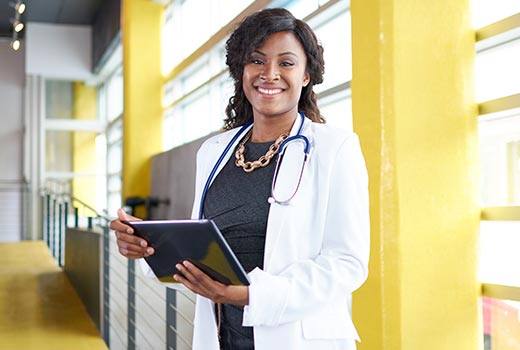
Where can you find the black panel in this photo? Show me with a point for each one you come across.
(105, 29)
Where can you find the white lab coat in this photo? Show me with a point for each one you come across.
(316, 248)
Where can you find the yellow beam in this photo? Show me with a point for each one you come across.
(511, 213)
(413, 109)
(142, 120)
(499, 104)
(501, 292)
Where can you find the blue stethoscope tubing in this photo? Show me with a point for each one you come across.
(281, 151)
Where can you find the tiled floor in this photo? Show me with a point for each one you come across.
(39, 308)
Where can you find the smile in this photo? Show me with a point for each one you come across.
(265, 91)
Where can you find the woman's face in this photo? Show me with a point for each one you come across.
(274, 76)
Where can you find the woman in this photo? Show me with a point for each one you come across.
(304, 244)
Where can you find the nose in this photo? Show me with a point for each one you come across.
(270, 72)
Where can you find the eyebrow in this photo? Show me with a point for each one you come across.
(281, 54)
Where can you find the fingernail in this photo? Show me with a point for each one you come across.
(143, 243)
(129, 230)
(124, 251)
(179, 266)
(175, 277)
(149, 251)
(186, 263)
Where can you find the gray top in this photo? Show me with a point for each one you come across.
(237, 202)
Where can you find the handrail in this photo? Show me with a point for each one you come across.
(103, 216)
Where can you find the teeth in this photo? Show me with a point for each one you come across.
(269, 91)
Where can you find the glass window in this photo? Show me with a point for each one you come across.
(498, 252)
(337, 110)
(333, 29)
(58, 151)
(499, 136)
(496, 71)
(58, 99)
(114, 96)
(179, 17)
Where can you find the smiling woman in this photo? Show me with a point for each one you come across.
(298, 222)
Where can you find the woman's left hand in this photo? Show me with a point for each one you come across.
(198, 282)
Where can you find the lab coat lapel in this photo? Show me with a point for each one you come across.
(285, 183)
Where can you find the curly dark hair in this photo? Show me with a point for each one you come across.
(251, 34)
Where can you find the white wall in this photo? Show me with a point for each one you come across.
(59, 51)
(12, 79)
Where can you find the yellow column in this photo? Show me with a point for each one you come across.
(413, 109)
(142, 121)
(84, 146)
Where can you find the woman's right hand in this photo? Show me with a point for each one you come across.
(129, 245)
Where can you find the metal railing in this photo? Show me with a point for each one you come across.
(120, 278)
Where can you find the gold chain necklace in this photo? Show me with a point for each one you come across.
(263, 160)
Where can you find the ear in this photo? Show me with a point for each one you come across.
(306, 79)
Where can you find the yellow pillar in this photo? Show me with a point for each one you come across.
(413, 109)
(84, 146)
(142, 120)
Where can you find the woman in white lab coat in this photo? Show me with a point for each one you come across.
(314, 242)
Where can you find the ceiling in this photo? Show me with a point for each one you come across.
(49, 11)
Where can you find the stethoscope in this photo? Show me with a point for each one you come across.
(281, 152)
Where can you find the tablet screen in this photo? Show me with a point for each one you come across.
(198, 241)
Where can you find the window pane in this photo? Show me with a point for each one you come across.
(178, 20)
(114, 183)
(115, 161)
(485, 12)
(58, 99)
(114, 203)
(499, 259)
(301, 8)
(336, 41)
(500, 159)
(501, 324)
(337, 110)
(58, 151)
(114, 98)
(496, 71)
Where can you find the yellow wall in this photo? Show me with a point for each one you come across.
(142, 119)
(84, 146)
(413, 109)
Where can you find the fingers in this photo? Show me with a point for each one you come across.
(128, 243)
(200, 276)
(198, 282)
(122, 215)
(130, 246)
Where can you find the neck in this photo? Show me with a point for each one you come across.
(267, 129)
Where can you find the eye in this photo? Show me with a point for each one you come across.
(286, 64)
(256, 61)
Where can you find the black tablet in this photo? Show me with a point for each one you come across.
(198, 241)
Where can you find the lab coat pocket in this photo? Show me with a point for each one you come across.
(333, 326)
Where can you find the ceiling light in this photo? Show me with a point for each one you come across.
(18, 26)
(15, 44)
(20, 7)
